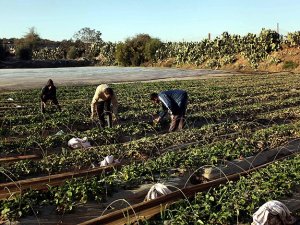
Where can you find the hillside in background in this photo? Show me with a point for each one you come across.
(287, 59)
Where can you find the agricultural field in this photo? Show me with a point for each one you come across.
(228, 118)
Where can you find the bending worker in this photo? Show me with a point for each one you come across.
(174, 102)
(49, 93)
(103, 99)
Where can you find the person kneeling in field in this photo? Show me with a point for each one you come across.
(49, 93)
(174, 102)
(103, 99)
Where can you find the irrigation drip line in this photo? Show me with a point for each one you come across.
(41, 183)
(10, 159)
(146, 210)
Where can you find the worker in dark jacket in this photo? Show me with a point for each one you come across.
(174, 102)
(49, 93)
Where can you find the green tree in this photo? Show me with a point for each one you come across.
(151, 47)
(137, 50)
(31, 39)
(72, 53)
(88, 35)
(24, 52)
(3, 52)
(25, 46)
(123, 54)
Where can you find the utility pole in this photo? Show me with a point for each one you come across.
(278, 28)
(208, 36)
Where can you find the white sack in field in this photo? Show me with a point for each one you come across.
(157, 190)
(108, 160)
(260, 217)
(79, 143)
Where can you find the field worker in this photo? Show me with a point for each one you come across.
(103, 99)
(49, 93)
(174, 102)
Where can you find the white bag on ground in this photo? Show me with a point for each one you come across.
(157, 190)
(107, 160)
(261, 216)
(79, 143)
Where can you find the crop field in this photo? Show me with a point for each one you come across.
(227, 118)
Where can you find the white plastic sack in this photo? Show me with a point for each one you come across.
(103, 163)
(260, 217)
(157, 190)
(79, 143)
(108, 160)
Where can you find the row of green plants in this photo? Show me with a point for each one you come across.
(261, 136)
(214, 112)
(150, 155)
(156, 169)
(235, 202)
(215, 107)
(222, 96)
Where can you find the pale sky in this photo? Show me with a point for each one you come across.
(168, 20)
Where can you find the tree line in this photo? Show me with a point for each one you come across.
(143, 49)
(85, 44)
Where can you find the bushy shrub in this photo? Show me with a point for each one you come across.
(137, 50)
(150, 49)
(72, 53)
(289, 65)
(24, 52)
(2, 52)
(293, 39)
(123, 54)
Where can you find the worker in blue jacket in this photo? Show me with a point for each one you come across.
(174, 102)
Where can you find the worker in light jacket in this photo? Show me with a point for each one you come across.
(103, 98)
(174, 102)
(49, 93)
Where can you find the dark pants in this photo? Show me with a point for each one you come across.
(54, 101)
(178, 121)
(103, 108)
